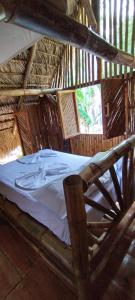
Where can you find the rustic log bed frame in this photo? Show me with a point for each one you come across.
(91, 243)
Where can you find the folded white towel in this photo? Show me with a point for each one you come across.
(29, 159)
(57, 169)
(37, 179)
(47, 153)
(37, 157)
(32, 180)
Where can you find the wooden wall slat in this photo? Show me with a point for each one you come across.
(43, 127)
(113, 25)
(90, 144)
(126, 31)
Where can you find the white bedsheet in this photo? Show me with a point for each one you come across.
(47, 204)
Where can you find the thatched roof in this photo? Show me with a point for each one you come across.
(47, 58)
(45, 61)
(12, 75)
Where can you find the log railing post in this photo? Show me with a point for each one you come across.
(73, 189)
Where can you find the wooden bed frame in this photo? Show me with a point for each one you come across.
(81, 264)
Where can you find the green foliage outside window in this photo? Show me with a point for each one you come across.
(89, 107)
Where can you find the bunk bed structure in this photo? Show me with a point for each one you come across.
(37, 89)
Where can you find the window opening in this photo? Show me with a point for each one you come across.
(89, 104)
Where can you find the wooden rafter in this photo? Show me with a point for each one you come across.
(90, 14)
(28, 71)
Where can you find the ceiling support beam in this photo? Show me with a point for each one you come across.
(27, 72)
(41, 17)
(26, 92)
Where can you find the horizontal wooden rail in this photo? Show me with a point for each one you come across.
(96, 169)
(26, 92)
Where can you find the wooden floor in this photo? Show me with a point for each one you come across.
(25, 276)
(122, 284)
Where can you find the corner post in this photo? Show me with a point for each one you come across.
(73, 189)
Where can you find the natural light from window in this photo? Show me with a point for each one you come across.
(90, 109)
(12, 155)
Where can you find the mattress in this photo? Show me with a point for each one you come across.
(35, 184)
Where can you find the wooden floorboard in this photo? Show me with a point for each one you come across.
(122, 284)
(125, 277)
(9, 276)
(40, 283)
(19, 253)
(24, 274)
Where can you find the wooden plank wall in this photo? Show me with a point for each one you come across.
(90, 144)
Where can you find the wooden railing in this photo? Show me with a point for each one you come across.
(93, 243)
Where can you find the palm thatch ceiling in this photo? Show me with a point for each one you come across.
(47, 57)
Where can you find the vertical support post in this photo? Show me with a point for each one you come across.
(126, 109)
(73, 189)
(130, 182)
(124, 180)
(96, 12)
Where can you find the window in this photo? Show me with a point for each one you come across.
(94, 110)
(90, 109)
(68, 113)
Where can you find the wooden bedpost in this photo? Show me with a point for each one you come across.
(78, 232)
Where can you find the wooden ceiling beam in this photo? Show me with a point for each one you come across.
(27, 72)
(29, 65)
(26, 92)
(51, 22)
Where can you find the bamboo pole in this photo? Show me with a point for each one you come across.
(26, 92)
(42, 91)
(51, 22)
(110, 243)
(96, 169)
(90, 14)
(78, 233)
(28, 71)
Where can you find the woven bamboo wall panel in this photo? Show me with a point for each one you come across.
(113, 107)
(24, 131)
(68, 113)
(44, 125)
(90, 144)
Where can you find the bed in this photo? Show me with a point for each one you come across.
(72, 207)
